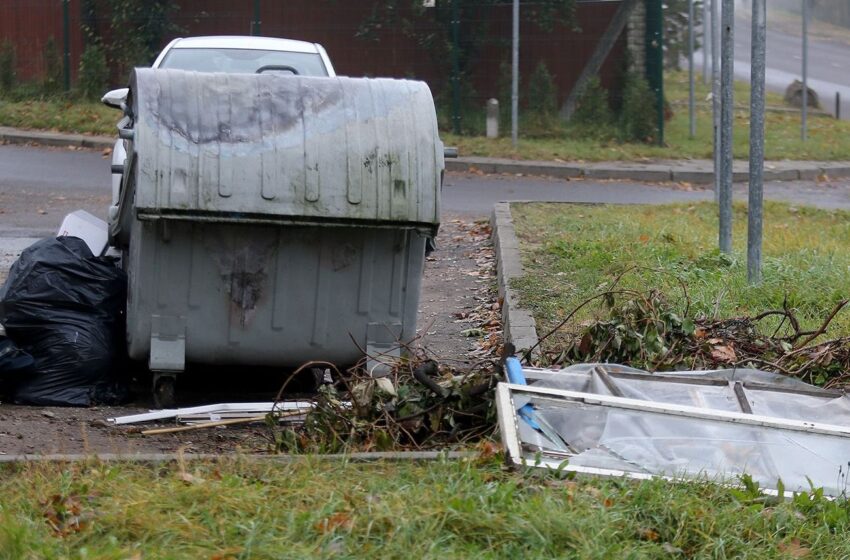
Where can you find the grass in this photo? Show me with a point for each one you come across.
(571, 252)
(58, 115)
(829, 139)
(316, 509)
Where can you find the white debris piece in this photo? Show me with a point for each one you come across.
(212, 412)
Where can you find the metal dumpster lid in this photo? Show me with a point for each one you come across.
(270, 146)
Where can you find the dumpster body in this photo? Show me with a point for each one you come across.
(271, 220)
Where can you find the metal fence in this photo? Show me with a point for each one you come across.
(470, 47)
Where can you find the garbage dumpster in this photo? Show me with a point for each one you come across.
(270, 220)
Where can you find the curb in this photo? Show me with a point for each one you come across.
(518, 323)
(698, 172)
(692, 171)
(10, 135)
(392, 456)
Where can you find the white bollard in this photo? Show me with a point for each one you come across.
(492, 118)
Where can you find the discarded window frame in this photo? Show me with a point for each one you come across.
(717, 425)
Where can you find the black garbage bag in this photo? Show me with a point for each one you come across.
(65, 307)
(15, 365)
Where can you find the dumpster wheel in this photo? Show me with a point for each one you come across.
(164, 389)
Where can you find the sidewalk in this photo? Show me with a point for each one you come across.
(660, 171)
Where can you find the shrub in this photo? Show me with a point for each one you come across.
(94, 73)
(53, 72)
(542, 92)
(7, 66)
(593, 111)
(638, 118)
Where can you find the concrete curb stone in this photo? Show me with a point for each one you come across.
(688, 171)
(518, 323)
(15, 136)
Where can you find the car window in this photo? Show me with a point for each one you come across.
(244, 61)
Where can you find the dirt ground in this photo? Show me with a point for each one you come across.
(458, 322)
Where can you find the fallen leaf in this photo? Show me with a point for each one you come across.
(487, 449)
(189, 478)
(794, 548)
(724, 353)
(385, 384)
(338, 520)
(648, 534)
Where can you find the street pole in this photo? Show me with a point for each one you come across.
(756, 194)
(455, 79)
(655, 60)
(691, 93)
(705, 42)
(255, 25)
(515, 77)
(715, 92)
(66, 45)
(727, 114)
(805, 107)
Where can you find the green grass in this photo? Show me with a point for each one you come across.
(57, 115)
(318, 509)
(571, 252)
(828, 139)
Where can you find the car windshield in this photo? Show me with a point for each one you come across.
(244, 61)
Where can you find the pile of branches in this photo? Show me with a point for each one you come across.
(419, 404)
(644, 330)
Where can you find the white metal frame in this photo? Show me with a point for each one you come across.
(509, 428)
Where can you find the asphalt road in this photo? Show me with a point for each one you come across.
(829, 63)
(38, 186)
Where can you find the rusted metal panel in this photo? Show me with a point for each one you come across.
(268, 146)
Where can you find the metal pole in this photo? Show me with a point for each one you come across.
(715, 92)
(255, 25)
(838, 105)
(755, 217)
(455, 79)
(727, 114)
(691, 93)
(805, 108)
(515, 76)
(66, 43)
(655, 60)
(706, 76)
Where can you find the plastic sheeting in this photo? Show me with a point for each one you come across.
(716, 425)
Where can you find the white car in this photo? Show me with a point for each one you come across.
(230, 54)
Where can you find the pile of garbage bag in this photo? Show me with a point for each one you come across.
(62, 309)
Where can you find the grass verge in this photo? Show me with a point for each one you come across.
(571, 252)
(314, 509)
(829, 139)
(57, 115)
